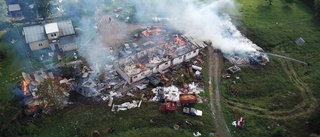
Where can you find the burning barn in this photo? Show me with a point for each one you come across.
(42, 90)
(248, 58)
(161, 50)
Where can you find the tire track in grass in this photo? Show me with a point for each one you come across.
(303, 109)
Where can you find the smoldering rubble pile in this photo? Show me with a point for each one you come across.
(43, 91)
(172, 97)
(127, 105)
(254, 56)
(187, 94)
(94, 83)
(155, 50)
(173, 93)
(248, 58)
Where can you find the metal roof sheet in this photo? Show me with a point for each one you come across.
(67, 40)
(66, 28)
(34, 33)
(14, 7)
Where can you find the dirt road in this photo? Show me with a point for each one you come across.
(215, 96)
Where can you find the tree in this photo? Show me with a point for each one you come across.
(2, 56)
(288, 1)
(310, 3)
(44, 8)
(29, 9)
(3, 13)
(0, 70)
(270, 2)
(2, 50)
(10, 119)
(316, 6)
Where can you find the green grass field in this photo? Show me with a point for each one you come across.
(14, 62)
(277, 99)
(83, 119)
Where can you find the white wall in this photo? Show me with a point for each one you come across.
(155, 70)
(192, 54)
(164, 65)
(138, 77)
(177, 60)
(148, 72)
(123, 74)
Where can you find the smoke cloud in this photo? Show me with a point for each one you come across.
(205, 20)
(202, 19)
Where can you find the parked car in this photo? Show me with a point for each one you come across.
(192, 111)
(122, 54)
(127, 48)
(111, 59)
(136, 47)
(169, 106)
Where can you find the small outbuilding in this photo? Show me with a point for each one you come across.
(300, 41)
(14, 11)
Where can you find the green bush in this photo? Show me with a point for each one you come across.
(278, 132)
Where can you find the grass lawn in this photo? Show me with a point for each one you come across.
(13, 64)
(83, 119)
(276, 99)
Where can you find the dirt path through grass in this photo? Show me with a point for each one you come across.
(215, 96)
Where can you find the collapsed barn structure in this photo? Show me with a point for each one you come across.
(43, 90)
(253, 56)
(258, 57)
(162, 50)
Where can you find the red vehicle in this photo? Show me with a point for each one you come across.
(240, 122)
(169, 106)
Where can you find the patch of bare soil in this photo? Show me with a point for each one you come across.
(114, 32)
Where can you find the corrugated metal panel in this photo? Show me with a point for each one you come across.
(34, 33)
(67, 40)
(14, 7)
(66, 28)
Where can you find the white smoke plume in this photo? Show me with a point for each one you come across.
(205, 20)
(202, 19)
